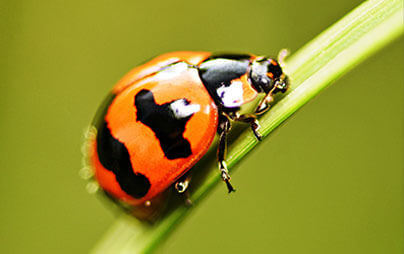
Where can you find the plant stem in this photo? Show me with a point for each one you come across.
(358, 35)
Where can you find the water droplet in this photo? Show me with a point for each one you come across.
(92, 187)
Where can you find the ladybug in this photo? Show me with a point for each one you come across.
(162, 117)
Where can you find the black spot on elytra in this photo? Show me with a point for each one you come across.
(114, 156)
(217, 72)
(168, 126)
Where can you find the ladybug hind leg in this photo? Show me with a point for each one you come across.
(181, 186)
(223, 129)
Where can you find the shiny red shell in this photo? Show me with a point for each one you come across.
(168, 80)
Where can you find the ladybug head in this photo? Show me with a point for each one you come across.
(266, 75)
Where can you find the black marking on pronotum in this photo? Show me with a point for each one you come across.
(114, 156)
(218, 72)
(168, 125)
(231, 56)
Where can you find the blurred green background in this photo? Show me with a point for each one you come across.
(330, 180)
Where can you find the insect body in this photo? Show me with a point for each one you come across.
(161, 118)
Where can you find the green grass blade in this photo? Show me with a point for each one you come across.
(358, 35)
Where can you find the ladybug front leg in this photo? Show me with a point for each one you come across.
(222, 130)
(265, 103)
(263, 106)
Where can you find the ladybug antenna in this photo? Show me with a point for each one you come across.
(281, 57)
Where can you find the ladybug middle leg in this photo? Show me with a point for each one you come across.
(250, 119)
(222, 130)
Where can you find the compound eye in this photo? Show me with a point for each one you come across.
(274, 69)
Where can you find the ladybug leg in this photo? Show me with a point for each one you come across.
(252, 120)
(265, 104)
(222, 130)
(181, 186)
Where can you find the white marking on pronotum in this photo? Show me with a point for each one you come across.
(232, 96)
